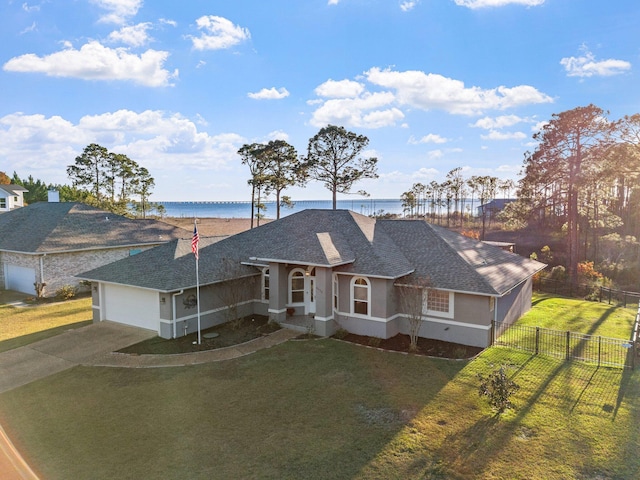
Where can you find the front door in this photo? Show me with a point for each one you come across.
(310, 294)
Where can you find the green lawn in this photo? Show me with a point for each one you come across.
(581, 316)
(325, 409)
(322, 409)
(23, 325)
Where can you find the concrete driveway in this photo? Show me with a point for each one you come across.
(82, 346)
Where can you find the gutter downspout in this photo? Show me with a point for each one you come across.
(42, 270)
(495, 320)
(174, 310)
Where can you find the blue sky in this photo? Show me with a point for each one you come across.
(180, 86)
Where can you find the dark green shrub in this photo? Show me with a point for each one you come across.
(498, 388)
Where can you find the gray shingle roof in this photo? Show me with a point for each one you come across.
(343, 240)
(454, 262)
(69, 226)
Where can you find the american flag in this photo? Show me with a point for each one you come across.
(195, 240)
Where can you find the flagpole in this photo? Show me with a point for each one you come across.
(195, 241)
(198, 296)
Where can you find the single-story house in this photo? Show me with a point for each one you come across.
(494, 207)
(11, 196)
(43, 246)
(334, 268)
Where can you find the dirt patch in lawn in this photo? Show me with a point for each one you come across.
(426, 346)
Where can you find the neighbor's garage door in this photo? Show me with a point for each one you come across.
(20, 279)
(132, 306)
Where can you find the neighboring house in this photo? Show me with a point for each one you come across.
(11, 196)
(333, 269)
(43, 246)
(491, 209)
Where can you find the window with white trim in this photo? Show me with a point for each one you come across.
(335, 293)
(265, 284)
(296, 286)
(360, 296)
(3, 202)
(437, 302)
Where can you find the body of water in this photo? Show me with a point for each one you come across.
(243, 209)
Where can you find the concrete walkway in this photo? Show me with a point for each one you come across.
(96, 345)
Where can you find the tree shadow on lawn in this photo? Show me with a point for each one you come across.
(578, 389)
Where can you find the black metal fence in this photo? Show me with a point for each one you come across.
(605, 351)
(592, 292)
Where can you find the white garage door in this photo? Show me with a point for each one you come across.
(20, 279)
(132, 306)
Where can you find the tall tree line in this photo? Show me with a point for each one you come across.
(111, 181)
(583, 180)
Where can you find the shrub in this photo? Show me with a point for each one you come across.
(66, 292)
(498, 388)
(341, 334)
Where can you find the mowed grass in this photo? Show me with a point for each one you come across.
(21, 325)
(325, 409)
(580, 316)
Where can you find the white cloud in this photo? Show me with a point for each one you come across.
(269, 94)
(278, 135)
(473, 4)
(350, 103)
(498, 122)
(134, 35)
(432, 91)
(587, 66)
(45, 146)
(435, 154)
(497, 135)
(119, 11)
(430, 138)
(339, 89)
(362, 111)
(96, 62)
(30, 8)
(408, 5)
(333, 2)
(218, 33)
(31, 28)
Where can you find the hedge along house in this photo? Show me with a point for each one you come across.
(43, 246)
(333, 268)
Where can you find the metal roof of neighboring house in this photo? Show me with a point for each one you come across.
(340, 239)
(69, 226)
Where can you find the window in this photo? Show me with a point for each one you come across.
(438, 302)
(296, 286)
(492, 303)
(3, 202)
(335, 293)
(265, 284)
(360, 293)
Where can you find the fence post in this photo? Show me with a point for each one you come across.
(609, 296)
(567, 349)
(599, 348)
(537, 339)
(600, 297)
(625, 299)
